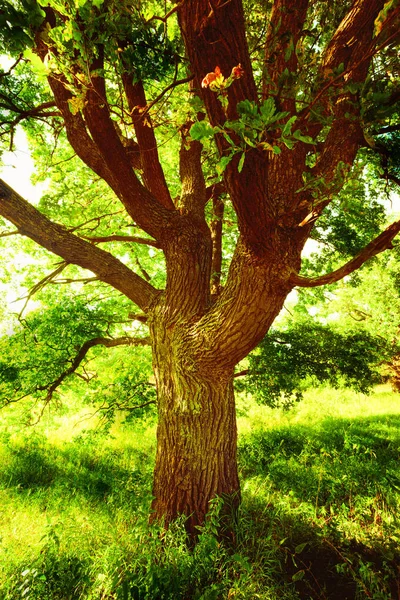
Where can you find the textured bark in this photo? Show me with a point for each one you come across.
(196, 435)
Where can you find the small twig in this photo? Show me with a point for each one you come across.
(7, 233)
(20, 57)
(169, 87)
(242, 373)
(40, 285)
(165, 17)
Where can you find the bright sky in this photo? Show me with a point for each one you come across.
(17, 169)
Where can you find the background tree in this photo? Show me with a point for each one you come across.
(273, 106)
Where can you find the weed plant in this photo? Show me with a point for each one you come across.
(319, 517)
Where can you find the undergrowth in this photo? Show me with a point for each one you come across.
(318, 520)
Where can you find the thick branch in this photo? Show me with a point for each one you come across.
(379, 244)
(352, 40)
(214, 34)
(354, 36)
(147, 211)
(77, 133)
(216, 236)
(72, 249)
(193, 195)
(153, 173)
(121, 238)
(285, 29)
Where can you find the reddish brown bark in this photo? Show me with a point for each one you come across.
(196, 448)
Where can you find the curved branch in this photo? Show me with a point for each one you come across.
(84, 349)
(379, 244)
(73, 249)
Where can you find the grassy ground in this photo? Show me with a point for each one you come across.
(319, 517)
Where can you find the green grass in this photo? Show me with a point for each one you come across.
(319, 517)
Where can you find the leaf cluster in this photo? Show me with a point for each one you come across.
(48, 341)
(18, 22)
(306, 354)
(260, 127)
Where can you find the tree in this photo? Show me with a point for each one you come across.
(280, 99)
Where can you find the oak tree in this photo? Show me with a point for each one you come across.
(273, 103)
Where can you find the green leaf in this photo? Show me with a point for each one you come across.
(307, 139)
(241, 162)
(267, 110)
(201, 130)
(249, 141)
(288, 143)
(288, 126)
(37, 66)
(247, 108)
(228, 139)
(298, 576)
(300, 547)
(223, 163)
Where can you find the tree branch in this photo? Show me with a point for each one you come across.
(121, 238)
(193, 195)
(146, 210)
(153, 173)
(284, 31)
(102, 150)
(7, 233)
(73, 249)
(353, 39)
(214, 34)
(84, 349)
(169, 87)
(379, 244)
(41, 284)
(216, 236)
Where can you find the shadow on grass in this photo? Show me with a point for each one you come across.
(81, 467)
(317, 565)
(336, 459)
(328, 496)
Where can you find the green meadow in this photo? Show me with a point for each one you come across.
(319, 517)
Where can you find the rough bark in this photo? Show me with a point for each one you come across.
(196, 435)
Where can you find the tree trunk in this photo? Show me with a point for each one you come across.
(196, 435)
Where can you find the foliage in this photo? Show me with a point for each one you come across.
(368, 307)
(320, 497)
(44, 346)
(309, 353)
